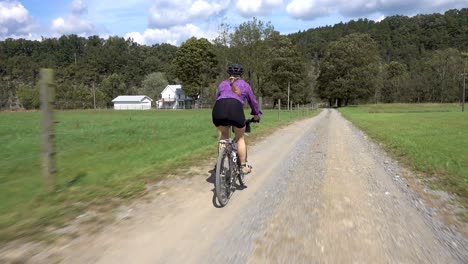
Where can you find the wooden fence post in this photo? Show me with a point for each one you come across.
(279, 108)
(291, 109)
(94, 91)
(47, 87)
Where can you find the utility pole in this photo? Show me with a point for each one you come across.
(288, 95)
(463, 93)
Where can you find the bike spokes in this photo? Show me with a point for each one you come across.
(223, 182)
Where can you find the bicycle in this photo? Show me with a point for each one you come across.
(228, 167)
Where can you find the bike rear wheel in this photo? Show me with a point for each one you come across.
(223, 178)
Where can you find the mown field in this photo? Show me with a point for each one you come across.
(103, 157)
(431, 138)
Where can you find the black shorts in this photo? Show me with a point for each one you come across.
(228, 112)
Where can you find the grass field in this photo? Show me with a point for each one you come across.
(431, 138)
(102, 156)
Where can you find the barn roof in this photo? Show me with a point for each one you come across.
(131, 98)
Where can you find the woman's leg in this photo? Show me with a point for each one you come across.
(224, 131)
(241, 148)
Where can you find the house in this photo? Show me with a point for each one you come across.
(132, 102)
(173, 97)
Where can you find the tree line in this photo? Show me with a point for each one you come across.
(399, 59)
(414, 59)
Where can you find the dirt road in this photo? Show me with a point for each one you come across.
(319, 193)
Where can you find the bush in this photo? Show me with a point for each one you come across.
(29, 97)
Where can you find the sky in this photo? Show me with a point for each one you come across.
(151, 22)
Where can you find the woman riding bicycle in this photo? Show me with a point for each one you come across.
(229, 109)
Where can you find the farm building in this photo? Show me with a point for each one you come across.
(173, 97)
(132, 102)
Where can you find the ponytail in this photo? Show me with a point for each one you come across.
(234, 88)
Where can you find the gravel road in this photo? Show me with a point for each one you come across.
(320, 192)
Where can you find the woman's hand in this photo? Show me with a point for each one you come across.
(256, 117)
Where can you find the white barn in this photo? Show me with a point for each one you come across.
(173, 97)
(132, 102)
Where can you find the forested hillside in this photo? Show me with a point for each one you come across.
(421, 58)
(84, 67)
(399, 59)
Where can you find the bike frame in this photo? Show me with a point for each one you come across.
(227, 149)
(229, 146)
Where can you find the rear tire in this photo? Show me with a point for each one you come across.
(222, 179)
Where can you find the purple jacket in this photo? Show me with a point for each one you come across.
(225, 91)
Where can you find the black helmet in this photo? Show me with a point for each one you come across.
(235, 70)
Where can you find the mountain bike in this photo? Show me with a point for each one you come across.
(228, 167)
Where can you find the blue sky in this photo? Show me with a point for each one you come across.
(173, 21)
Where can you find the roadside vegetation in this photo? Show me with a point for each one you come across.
(431, 138)
(103, 158)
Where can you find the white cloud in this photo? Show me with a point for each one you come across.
(15, 21)
(168, 13)
(363, 7)
(74, 23)
(201, 8)
(306, 9)
(380, 18)
(13, 11)
(174, 21)
(249, 8)
(311, 9)
(78, 7)
(174, 35)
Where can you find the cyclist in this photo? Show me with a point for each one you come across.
(229, 109)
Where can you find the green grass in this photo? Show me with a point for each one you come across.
(410, 108)
(103, 158)
(431, 138)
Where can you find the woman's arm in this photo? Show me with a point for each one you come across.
(252, 102)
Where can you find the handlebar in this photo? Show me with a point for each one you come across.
(247, 124)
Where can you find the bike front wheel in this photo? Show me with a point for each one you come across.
(223, 178)
(240, 175)
(241, 178)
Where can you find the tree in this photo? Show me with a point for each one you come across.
(445, 67)
(195, 65)
(395, 80)
(28, 97)
(349, 70)
(284, 67)
(421, 43)
(248, 46)
(112, 87)
(153, 84)
(224, 53)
